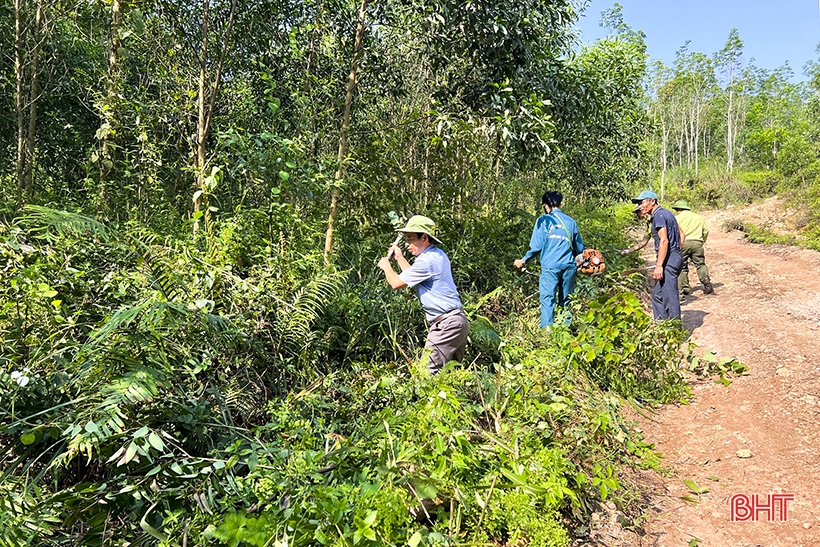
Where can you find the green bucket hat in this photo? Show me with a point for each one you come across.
(421, 225)
(681, 204)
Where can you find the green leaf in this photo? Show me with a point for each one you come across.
(46, 291)
(130, 452)
(28, 438)
(156, 442)
(141, 432)
(253, 461)
(91, 427)
(425, 490)
(522, 483)
(320, 536)
(414, 540)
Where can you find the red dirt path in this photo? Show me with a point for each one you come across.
(766, 313)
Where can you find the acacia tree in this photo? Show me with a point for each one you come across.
(206, 102)
(773, 116)
(598, 103)
(343, 137)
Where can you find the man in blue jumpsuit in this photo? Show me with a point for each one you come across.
(557, 240)
(667, 235)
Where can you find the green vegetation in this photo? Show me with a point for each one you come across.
(195, 344)
(154, 393)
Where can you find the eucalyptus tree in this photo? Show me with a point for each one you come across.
(696, 77)
(660, 111)
(729, 62)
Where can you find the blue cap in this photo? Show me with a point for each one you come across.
(644, 195)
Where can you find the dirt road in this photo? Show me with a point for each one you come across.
(766, 313)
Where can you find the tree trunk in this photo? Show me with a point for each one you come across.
(107, 158)
(19, 99)
(696, 135)
(33, 92)
(205, 116)
(337, 179)
(200, 122)
(664, 146)
(730, 141)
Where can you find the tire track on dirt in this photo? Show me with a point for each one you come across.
(766, 313)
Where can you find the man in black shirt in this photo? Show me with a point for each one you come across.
(668, 240)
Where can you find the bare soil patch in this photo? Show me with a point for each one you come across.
(766, 313)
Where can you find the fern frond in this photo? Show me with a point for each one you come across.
(306, 306)
(106, 419)
(122, 318)
(45, 219)
(244, 397)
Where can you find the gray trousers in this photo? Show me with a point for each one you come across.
(448, 340)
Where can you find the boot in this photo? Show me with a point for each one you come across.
(707, 285)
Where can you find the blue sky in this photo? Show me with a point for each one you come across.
(773, 31)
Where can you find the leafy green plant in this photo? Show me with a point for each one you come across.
(622, 349)
(710, 365)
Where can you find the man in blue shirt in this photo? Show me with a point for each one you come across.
(557, 241)
(431, 277)
(668, 240)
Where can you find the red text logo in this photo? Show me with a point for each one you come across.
(775, 507)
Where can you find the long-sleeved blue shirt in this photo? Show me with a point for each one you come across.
(557, 246)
